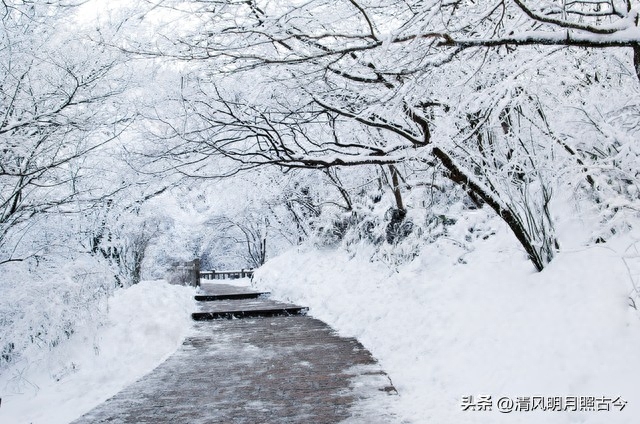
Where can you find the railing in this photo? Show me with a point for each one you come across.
(189, 274)
(224, 275)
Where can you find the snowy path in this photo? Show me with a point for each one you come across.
(281, 369)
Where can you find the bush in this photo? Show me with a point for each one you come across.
(39, 311)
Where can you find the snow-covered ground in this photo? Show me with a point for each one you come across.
(458, 321)
(492, 326)
(146, 323)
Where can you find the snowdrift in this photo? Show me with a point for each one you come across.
(145, 324)
(489, 325)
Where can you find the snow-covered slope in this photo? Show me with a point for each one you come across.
(445, 330)
(453, 323)
(146, 323)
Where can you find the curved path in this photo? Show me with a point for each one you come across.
(271, 368)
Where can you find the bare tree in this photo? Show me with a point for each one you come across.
(58, 104)
(399, 82)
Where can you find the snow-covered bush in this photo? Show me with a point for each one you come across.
(376, 228)
(42, 306)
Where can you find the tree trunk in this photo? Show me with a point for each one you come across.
(539, 256)
(343, 192)
(395, 186)
(636, 60)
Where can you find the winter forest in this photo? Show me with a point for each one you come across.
(489, 143)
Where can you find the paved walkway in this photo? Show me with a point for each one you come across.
(275, 369)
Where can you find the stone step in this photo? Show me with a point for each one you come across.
(244, 308)
(230, 296)
(287, 311)
(221, 291)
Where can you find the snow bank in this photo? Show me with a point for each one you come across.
(146, 323)
(445, 330)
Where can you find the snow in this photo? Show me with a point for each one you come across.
(444, 330)
(146, 323)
